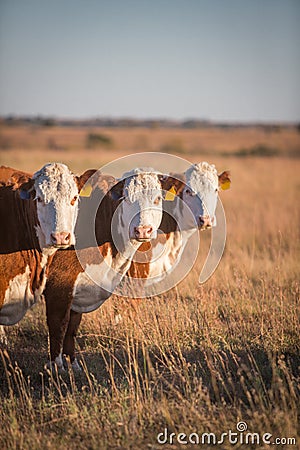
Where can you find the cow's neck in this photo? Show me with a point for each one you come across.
(47, 254)
(162, 261)
(122, 260)
(177, 229)
(100, 278)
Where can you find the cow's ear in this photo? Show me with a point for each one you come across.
(116, 192)
(23, 183)
(173, 185)
(105, 182)
(85, 188)
(224, 180)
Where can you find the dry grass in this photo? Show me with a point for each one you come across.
(69, 145)
(198, 359)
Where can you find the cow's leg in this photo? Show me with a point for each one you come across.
(69, 339)
(58, 315)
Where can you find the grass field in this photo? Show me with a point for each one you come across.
(198, 359)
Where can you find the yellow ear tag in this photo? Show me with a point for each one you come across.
(170, 194)
(225, 185)
(86, 191)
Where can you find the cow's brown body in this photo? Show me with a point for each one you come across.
(24, 263)
(6, 173)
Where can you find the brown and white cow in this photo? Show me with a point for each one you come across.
(37, 216)
(134, 205)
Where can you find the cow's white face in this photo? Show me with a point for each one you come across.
(201, 193)
(141, 208)
(56, 195)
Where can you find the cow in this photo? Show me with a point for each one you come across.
(37, 217)
(80, 281)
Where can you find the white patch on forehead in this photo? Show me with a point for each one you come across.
(199, 175)
(142, 189)
(54, 179)
(141, 179)
(56, 187)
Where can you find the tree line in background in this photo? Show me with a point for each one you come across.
(142, 123)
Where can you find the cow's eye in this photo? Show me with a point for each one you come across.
(73, 201)
(188, 192)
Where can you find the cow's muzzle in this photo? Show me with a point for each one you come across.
(143, 233)
(205, 222)
(60, 239)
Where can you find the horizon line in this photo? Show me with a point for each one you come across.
(57, 118)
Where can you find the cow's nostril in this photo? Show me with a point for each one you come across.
(53, 238)
(67, 237)
(149, 230)
(205, 222)
(201, 221)
(143, 232)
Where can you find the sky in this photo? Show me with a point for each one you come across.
(220, 60)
